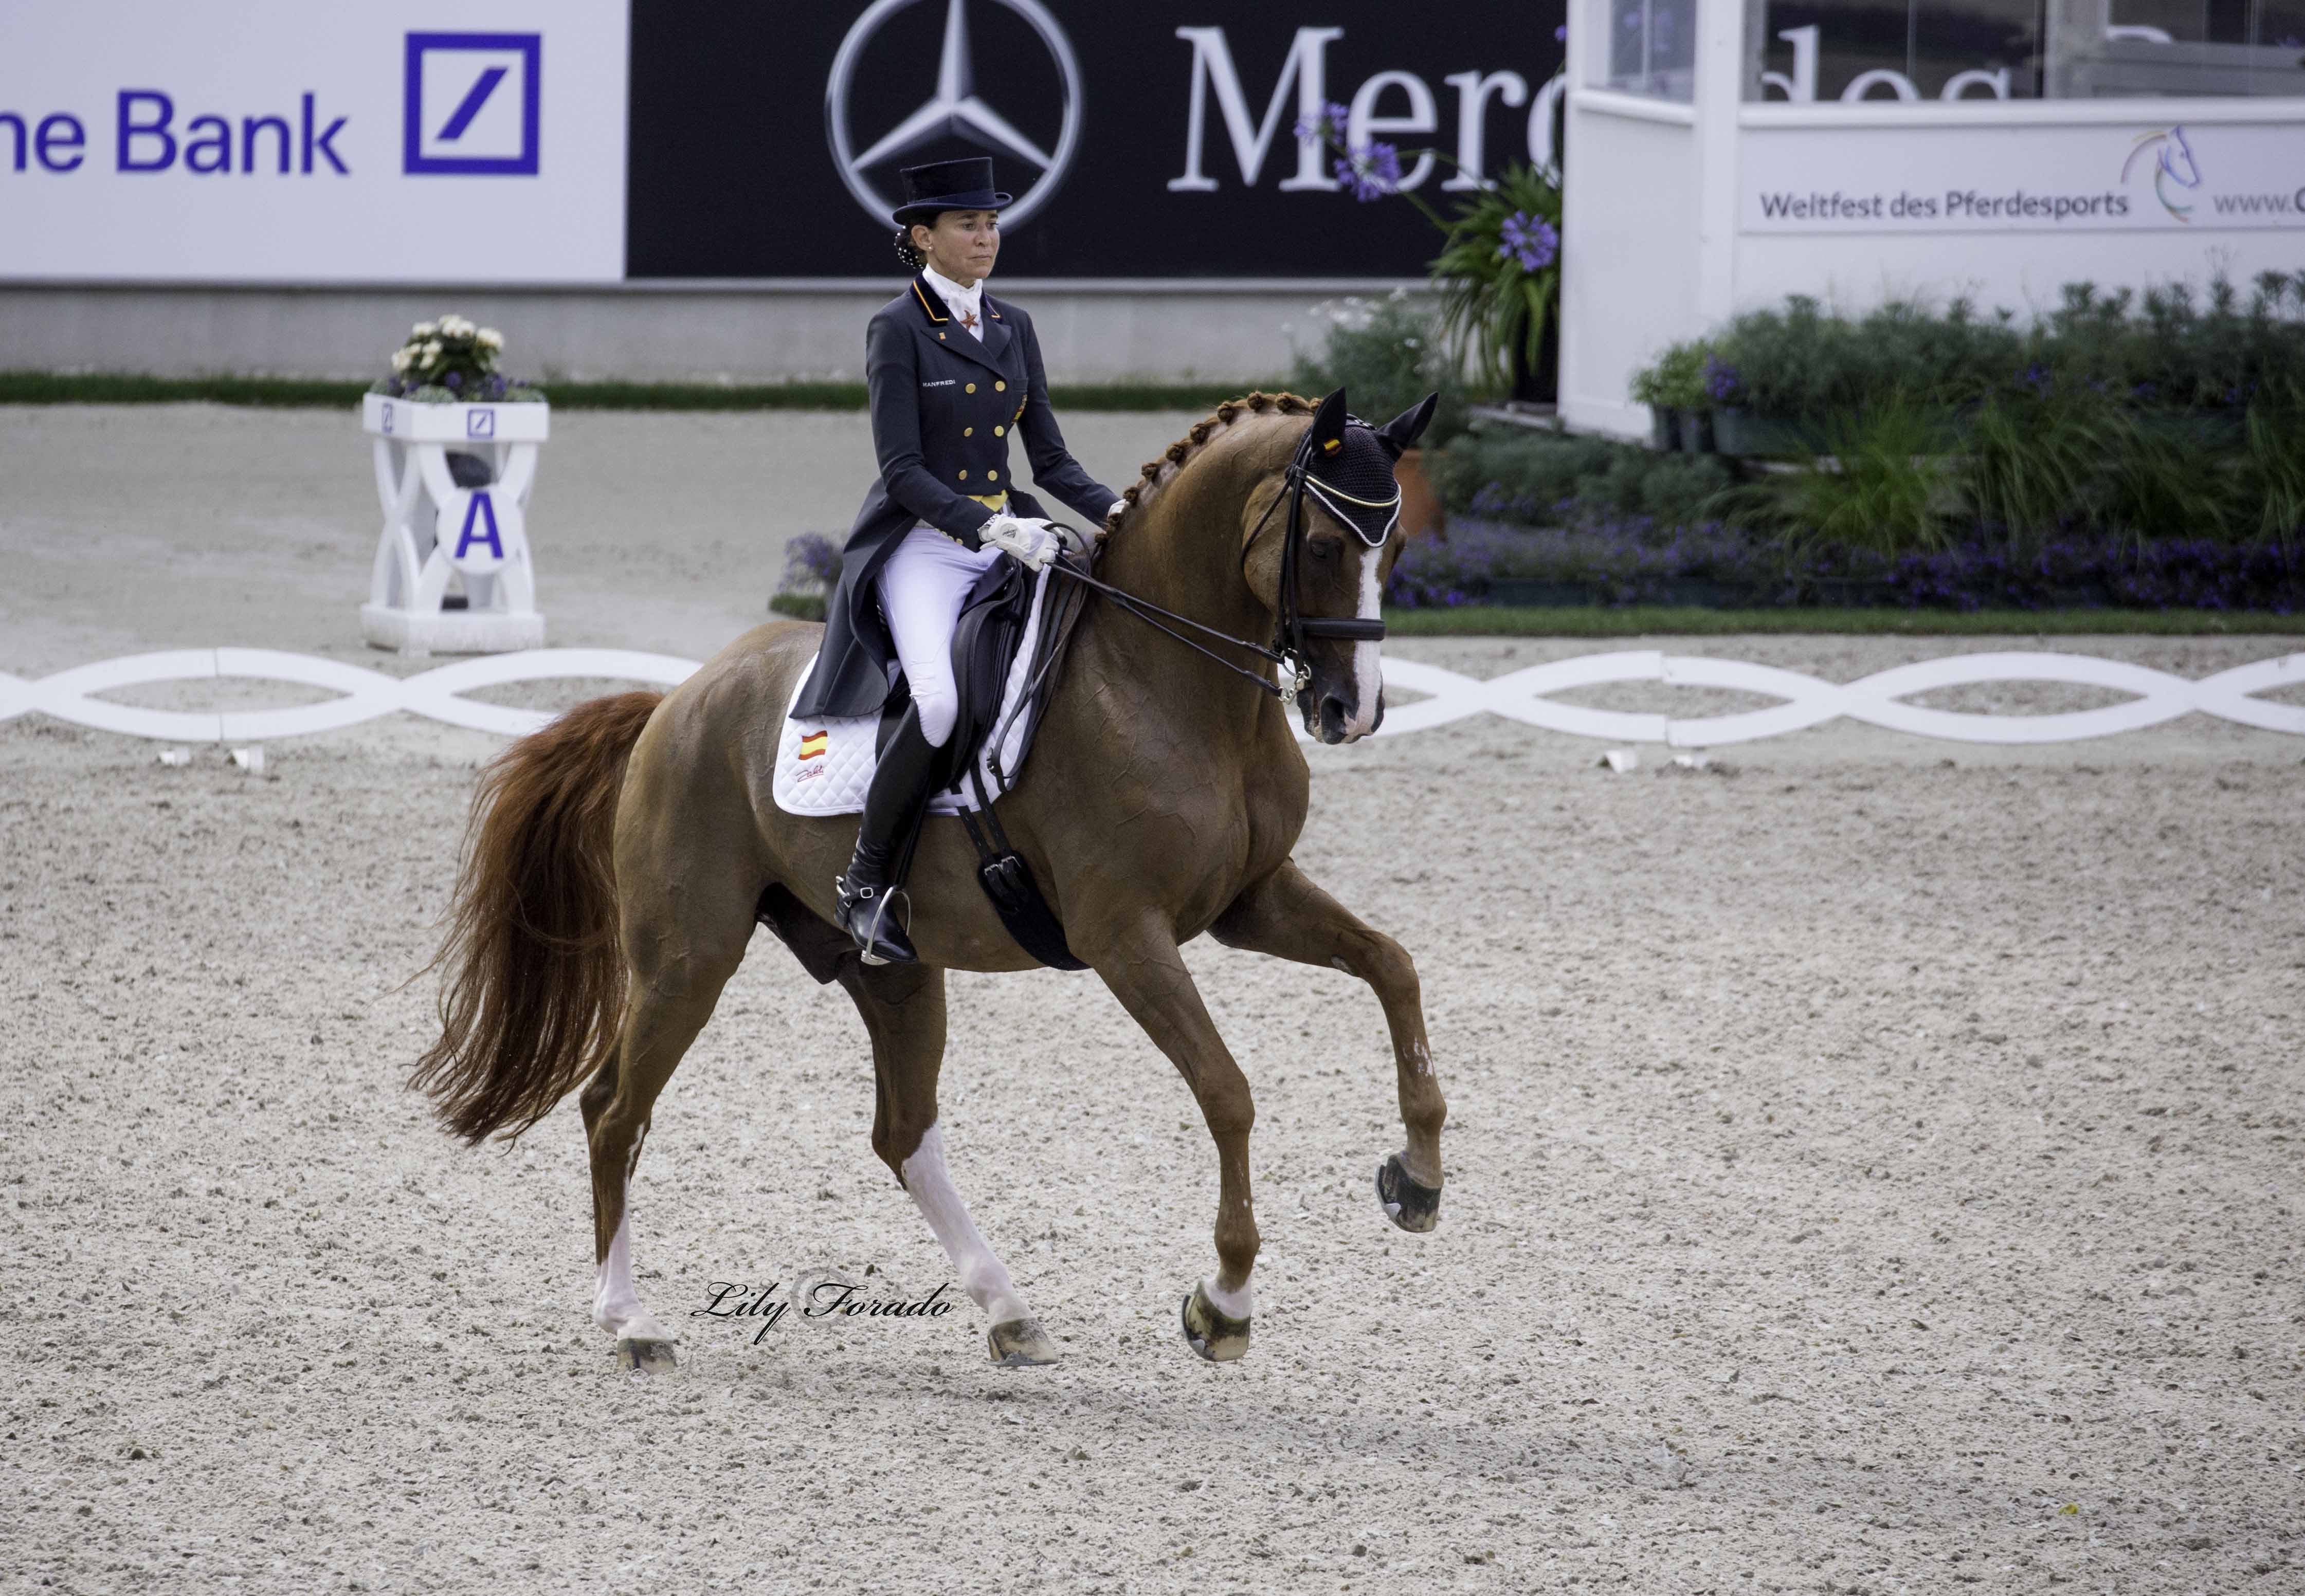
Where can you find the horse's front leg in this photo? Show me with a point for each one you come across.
(1290, 918)
(1145, 972)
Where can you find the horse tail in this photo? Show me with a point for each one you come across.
(535, 985)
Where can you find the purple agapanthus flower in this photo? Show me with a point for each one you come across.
(1327, 127)
(812, 557)
(1371, 172)
(1722, 382)
(1530, 240)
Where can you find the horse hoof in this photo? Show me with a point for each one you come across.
(645, 1357)
(1217, 1337)
(1409, 1205)
(1021, 1343)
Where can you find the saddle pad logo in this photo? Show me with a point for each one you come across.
(813, 746)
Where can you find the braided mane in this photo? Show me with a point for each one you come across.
(1158, 473)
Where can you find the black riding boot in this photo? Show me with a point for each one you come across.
(892, 805)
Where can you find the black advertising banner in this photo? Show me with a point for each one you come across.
(1147, 139)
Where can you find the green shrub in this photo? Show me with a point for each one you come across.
(1805, 361)
(1546, 478)
(2162, 349)
(2273, 476)
(1387, 355)
(2036, 464)
(1880, 486)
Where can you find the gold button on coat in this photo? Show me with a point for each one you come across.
(1001, 432)
(972, 388)
(999, 388)
(964, 476)
(994, 475)
(971, 431)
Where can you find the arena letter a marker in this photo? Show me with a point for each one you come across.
(478, 508)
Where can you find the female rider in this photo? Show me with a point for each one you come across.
(952, 371)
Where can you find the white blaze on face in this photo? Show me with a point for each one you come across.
(1368, 667)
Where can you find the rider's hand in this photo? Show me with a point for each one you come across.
(1028, 539)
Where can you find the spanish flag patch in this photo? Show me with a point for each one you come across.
(812, 745)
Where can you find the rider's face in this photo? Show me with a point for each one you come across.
(962, 245)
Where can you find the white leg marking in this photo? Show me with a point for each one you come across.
(982, 1275)
(1368, 670)
(1232, 1304)
(616, 1305)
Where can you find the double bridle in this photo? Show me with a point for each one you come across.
(1291, 627)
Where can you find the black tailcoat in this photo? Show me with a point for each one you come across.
(943, 408)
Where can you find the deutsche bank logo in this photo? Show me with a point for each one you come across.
(480, 423)
(473, 104)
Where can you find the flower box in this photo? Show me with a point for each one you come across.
(1739, 431)
(411, 420)
(454, 479)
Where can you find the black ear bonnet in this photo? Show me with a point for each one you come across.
(1348, 464)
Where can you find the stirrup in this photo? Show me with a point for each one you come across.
(870, 934)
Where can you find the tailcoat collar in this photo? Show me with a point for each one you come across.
(937, 318)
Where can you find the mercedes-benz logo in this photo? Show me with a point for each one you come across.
(953, 109)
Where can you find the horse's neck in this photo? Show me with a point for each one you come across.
(1183, 552)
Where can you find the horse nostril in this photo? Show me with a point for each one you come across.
(1334, 714)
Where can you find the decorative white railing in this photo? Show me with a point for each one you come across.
(1523, 695)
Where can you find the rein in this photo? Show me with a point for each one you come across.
(1292, 628)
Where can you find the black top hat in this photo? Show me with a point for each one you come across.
(965, 185)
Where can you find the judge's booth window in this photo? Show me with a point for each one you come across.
(1892, 50)
(1649, 48)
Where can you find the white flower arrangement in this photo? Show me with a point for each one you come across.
(451, 360)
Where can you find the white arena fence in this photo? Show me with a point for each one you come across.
(1521, 695)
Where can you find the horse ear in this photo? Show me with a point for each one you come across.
(1405, 429)
(1329, 426)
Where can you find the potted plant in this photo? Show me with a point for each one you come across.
(1499, 269)
(1387, 355)
(1673, 388)
(454, 443)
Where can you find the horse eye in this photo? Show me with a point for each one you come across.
(1324, 548)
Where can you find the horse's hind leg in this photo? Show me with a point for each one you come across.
(902, 1005)
(682, 946)
(1290, 918)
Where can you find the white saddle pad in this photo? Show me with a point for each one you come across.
(824, 766)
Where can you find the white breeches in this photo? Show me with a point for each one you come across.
(922, 589)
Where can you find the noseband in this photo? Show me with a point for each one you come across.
(1291, 627)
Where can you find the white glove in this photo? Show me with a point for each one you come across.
(1026, 537)
(1113, 517)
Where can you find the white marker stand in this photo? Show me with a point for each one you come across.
(432, 528)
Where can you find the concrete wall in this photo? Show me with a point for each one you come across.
(748, 332)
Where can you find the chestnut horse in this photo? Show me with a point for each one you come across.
(619, 857)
